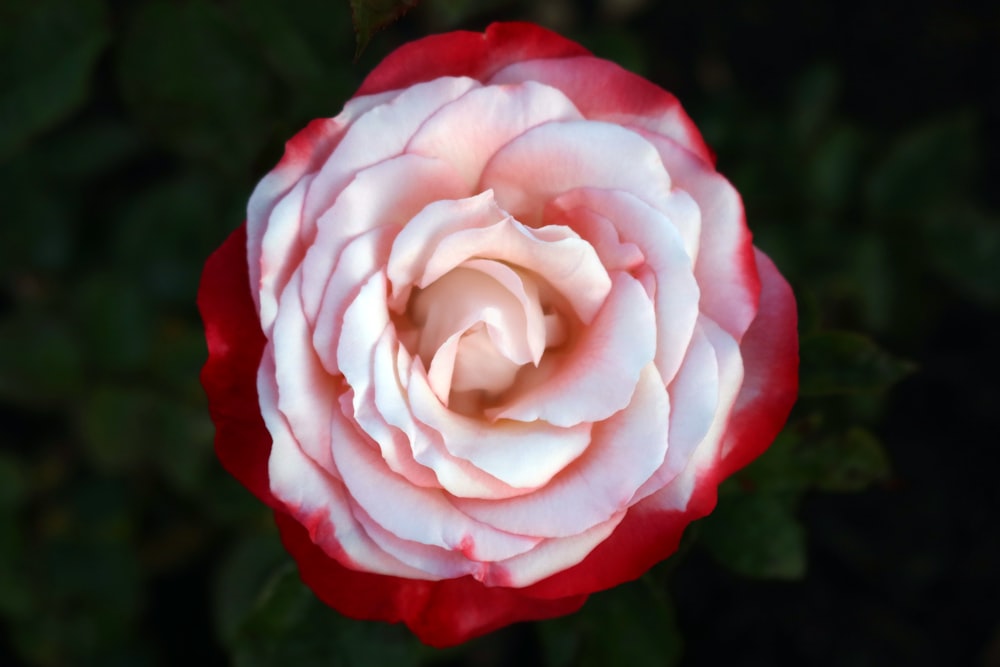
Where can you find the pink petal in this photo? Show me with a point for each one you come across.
(771, 357)
(702, 395)
(550, 556)
(448, 233)
(467, 132)
(315, 497)
(379, 134)
(361, 258)
(419, 239)
(602, 90)
(655, 233)
(304, 154)
(597, 376)
(521, 455)
(366, 203)
(415, 513)
(388, 403)
(281, 251)
(632, 443)
(725, 266)
(551, 159)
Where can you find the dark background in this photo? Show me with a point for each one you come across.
(863, 137)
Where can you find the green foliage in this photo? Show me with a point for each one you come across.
(287, 625)
(834, 362)
(49, 50)
(370, 16)
(633, 624)
(756, 535)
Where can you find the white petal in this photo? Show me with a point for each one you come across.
(368, 202)
(656, 233)
(467, 132)
(597, 376)
(377, 135)
(551, 159)
(625, 451)
(521, 455)
(725, 266)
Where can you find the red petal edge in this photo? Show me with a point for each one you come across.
(235, 344)
(473, 54)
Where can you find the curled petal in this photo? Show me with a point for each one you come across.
(551, 159)
(604, 91)
(467, 132)
(633, 442)
(597, 377)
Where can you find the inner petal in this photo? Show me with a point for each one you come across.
(477, 325)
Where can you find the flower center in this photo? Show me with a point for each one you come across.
(476, 327)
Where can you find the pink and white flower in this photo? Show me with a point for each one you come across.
(491, 337)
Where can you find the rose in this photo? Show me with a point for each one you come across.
(490, 338)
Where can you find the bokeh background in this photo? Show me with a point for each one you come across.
(863, 136)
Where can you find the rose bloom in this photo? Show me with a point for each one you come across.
(491, 337)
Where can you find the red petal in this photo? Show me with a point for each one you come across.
(235, 344)
(473, 54)
(440, 613)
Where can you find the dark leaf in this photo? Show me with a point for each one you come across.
(289, 626)
(370, 16)
(933, 163)
(756, 535)
(48, 50)
(632, 624)
(838, 362)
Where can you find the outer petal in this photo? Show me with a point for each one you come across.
(235, 344)
(441, 613)
(474, 54)
(649, 533)
(771, 376)
(605, 91)
(725, 266)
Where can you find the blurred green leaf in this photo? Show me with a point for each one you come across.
(40, 360)
(116, 321)
(849, 463)
(283, 46)
(289, 626)
(39, 227)
(162, 233)
(932, 163)
(805, 457)
(49, 50)
(84, 577)
(370, 16)
(13, 481)
(839, 362)
(756, 535)
(813, 101)
(87, 150)
(833, 169)
(963, 244)
(204, 95)
(240, 579)
(116, 426)
(14, 593)
(123, 426)
(631, 624)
